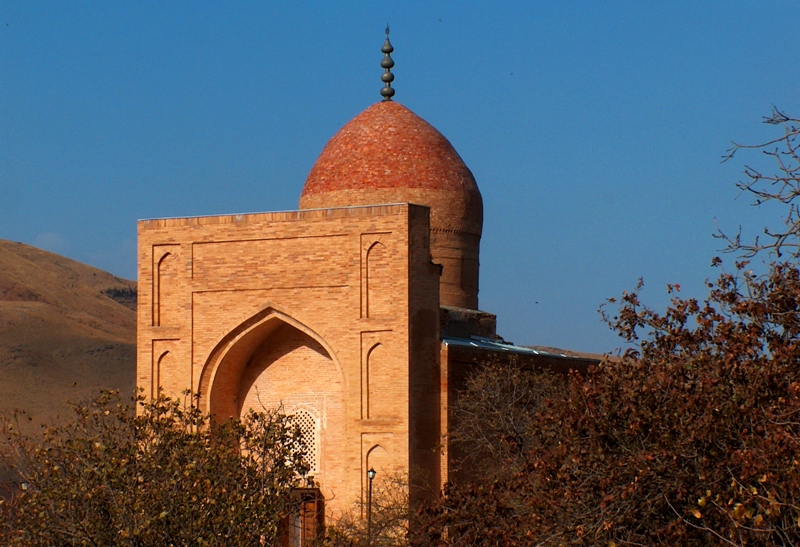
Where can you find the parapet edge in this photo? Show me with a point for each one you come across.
(281, 216)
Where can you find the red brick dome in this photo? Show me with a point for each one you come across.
(388, 154)
(388, 146)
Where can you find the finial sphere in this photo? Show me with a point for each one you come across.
(387, 63)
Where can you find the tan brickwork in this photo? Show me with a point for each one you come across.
(423, 368)
(456, 225)
(388, 154)
(332, 311)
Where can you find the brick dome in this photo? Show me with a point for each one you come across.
(388, 146)
(388, 154)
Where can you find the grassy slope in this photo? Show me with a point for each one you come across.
(61, 337)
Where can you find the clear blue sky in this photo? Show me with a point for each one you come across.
(594, 129)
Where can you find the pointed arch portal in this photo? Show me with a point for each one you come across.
(271, 360)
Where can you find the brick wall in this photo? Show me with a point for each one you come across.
(456, 223)
(333, 311)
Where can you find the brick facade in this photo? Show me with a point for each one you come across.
(334, 312)
(388, 154)
(337, 312)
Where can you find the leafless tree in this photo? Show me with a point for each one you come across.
(389, 523)
(781, 186)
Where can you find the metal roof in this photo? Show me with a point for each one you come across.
(494, 345)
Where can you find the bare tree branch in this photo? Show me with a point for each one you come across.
(781, 186)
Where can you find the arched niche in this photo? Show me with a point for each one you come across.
(166, 272)
(164, 361)
(379, 383)
(380, 296)
(378, 459)
(267, 360)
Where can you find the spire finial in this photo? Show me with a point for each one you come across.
(387, 77)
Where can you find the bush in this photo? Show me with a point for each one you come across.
(166, 475)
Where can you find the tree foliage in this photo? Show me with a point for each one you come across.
(163, 476)
(690, 437)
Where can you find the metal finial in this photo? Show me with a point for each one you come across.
(387, 77)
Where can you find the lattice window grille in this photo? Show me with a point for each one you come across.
(307, 423)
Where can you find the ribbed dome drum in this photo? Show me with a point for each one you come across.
(388, 154)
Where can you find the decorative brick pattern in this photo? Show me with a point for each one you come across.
(378, 285)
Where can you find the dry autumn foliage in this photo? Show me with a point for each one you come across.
(692, 437)
(163, 476)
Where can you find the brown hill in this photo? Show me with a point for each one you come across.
(66, 330)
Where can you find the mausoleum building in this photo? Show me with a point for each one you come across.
(357, 313)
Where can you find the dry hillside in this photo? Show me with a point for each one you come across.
(66, 329)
